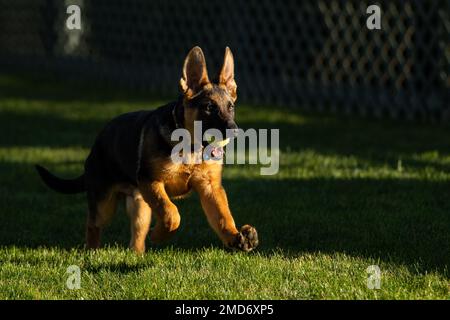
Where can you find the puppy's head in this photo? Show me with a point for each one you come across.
(210, 103)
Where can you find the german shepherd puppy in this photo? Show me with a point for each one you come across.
(131, 158)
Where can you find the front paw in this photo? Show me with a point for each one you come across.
(246, 240)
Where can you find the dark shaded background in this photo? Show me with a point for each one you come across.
(313, 55)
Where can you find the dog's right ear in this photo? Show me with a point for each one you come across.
(195, 74)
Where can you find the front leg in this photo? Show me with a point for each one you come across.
(168, 218)
(215, 204)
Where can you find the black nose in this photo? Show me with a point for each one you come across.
(233, 128)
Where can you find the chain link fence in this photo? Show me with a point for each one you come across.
(316, 55)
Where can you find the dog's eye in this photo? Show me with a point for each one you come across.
(230, 107)
(210, 107)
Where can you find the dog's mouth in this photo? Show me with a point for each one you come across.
(215, 148)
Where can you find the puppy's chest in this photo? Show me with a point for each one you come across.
(179, 178)
(176, 178)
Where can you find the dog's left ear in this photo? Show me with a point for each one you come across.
(226, 77)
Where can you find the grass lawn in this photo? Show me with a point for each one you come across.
(350, 193)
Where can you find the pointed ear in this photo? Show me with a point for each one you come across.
(195, 75)
(226, 77)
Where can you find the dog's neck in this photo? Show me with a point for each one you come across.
(178, 114)
(178, 120)
(175, 120)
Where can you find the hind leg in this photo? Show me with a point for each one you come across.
(140, 217)
(102, 206)
(92, 235)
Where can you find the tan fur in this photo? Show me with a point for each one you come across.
(226, 76)
(195, 74)
(168, 218)
(221, 99)
(105, 211)
(174, 176)
(206, 180)
(140, 217)
(175, 180)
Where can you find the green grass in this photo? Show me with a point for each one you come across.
(350, 193)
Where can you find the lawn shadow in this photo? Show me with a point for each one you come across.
(402, 221)
(88, 263)
(46, 130)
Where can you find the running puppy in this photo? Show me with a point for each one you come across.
(131, 158)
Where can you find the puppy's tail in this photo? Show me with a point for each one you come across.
(67, 186)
